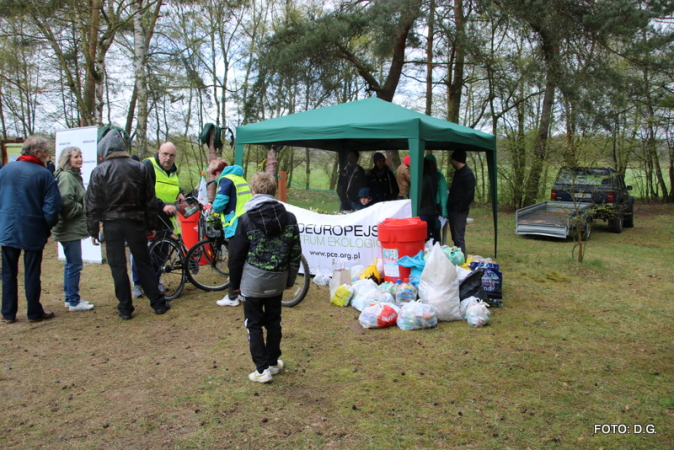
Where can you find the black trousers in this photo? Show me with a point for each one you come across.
(457, 226)
(131, 232)
(32, 266)
(264, 312)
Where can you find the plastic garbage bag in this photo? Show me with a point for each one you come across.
(379, 296)
(362, 288)
(478, 315)
(416, 315)
(389, 287)
(406, 292)
(379, 315)
(465, 303)
(471, 286)
(492, 280)
(356, 272)
(372, 272)
(343, 295)
(439, 285)
(454, 254)
(321, 279)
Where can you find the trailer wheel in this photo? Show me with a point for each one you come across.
(587, 232)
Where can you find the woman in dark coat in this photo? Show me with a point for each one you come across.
(429, 209)
(381, 181)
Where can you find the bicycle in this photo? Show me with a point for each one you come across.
(168, 253)
(209, 262)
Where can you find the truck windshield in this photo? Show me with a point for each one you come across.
(583, 176)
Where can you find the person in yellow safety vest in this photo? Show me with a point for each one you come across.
(163, 172)
(232, 193)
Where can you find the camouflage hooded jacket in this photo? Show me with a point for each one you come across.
(265, 252)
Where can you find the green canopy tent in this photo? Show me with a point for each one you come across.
(373, 124)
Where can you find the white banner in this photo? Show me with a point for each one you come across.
(85, 139)
(327, 238)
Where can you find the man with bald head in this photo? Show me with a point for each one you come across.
(163, 170)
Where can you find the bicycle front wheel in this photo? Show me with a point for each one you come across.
(207, 265)
(298, 291)
(167, 259)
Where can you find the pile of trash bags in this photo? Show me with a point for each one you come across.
(442, 287)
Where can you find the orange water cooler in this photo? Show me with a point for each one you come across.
(398, 238)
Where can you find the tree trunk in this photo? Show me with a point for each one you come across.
(429, 59)
(550, 51)
(272, 161)
(335, 172)
(144, 21)
(456, 85)
(140, 88)
(308, 168)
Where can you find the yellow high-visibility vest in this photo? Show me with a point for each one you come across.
(166, 188)
(243, 194)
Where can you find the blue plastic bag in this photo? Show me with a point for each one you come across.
(416, 263)
(492, 282)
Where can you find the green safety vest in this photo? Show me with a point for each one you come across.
(243, 194)
(166, 188)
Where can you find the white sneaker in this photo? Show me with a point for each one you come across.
(161, 287)
(227, 302)
(81, 306)
(67, 305)
(264, 377)
(136, 292)
(275, 369)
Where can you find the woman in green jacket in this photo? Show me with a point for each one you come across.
(72, 225)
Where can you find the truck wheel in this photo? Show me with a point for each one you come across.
(616, 224)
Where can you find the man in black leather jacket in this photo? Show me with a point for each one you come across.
(121, 195)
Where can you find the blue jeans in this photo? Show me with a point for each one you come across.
(72, 271)
(156, 264)
(32, 265)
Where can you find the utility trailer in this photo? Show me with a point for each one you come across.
(555, 219)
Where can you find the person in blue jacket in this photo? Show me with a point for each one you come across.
(30, 203)
(232, 193)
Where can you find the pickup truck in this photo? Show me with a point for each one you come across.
(580, 195)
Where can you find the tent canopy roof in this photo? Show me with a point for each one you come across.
(373, 124)
(369, 124)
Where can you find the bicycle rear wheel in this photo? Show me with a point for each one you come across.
(167, 259)
(298, 291)
(207, 265)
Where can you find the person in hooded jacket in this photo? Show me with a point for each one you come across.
(232, 193)
(381, 181)
(264, 258)
(72, 225)
(121, 195)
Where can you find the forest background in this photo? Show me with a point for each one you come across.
(557, 81)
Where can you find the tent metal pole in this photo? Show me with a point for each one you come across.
(416, 147)
(238, 154)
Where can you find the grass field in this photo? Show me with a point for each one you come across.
(575, 346)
